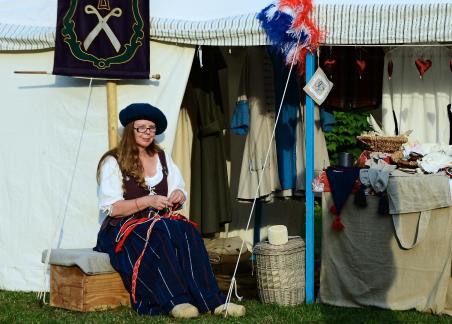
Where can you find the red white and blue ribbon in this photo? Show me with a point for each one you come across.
(290, 29)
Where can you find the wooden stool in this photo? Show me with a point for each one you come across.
(83, 280)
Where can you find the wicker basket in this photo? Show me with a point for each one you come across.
(281, 272)
(387, 144)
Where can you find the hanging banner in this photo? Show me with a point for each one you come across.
(102, 38)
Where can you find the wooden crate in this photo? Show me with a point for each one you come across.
(72, 289)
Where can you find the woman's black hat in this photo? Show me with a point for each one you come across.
(145, 111)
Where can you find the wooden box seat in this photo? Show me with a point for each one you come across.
(84, 280)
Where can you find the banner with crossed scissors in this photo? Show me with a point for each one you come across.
(102, 39)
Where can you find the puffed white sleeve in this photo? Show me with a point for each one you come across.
(109, 189)
(175, 180)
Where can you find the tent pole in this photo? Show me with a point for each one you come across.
(112, 113)
(310, 65)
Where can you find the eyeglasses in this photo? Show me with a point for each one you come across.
(143, 129)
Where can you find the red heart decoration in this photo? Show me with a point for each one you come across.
(329, 65)
(361, 64)
(423, 66)
(390, 68)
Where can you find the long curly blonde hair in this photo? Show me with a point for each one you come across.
(126, 153)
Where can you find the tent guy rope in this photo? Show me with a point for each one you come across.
(233, 280)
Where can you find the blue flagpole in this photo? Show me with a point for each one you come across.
(310, 65)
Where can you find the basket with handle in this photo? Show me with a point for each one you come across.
(281, 272)
(379, 143)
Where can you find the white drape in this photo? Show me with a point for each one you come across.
(419, 104)
(42, 117)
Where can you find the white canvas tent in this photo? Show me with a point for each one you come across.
(43, 115)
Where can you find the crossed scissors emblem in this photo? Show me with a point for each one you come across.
(102, 25)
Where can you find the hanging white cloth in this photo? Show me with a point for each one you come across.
(321, 157)
(419, 104)
(262, 119)
(182, 151)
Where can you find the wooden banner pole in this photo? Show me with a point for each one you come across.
(152, 76)
(112, 113)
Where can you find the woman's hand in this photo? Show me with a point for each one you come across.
(177, 197)
(159, 202)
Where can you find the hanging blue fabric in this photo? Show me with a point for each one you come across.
(287, 123)
(240, 121)
(327, 119)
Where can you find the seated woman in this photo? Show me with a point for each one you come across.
(161, 259)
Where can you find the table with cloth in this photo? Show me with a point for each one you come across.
(401, 260)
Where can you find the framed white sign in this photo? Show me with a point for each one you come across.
(318, 86)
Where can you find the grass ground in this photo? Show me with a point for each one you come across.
(20, 307)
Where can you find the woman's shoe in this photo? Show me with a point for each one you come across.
(233, 310)
(184, 310)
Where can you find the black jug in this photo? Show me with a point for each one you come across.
(345, 159)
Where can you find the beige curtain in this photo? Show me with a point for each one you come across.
(419, 104)
(182, 149)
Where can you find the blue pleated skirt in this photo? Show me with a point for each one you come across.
(174, 269)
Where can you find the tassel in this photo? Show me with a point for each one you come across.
(333, 210)
(360, 197)
(337, 224)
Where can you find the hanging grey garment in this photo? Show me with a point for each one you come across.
(210, 197)
(406, 195)
(376, 178)
(414, 202)
(415, 193)
(257, 81)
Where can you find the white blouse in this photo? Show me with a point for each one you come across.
(109, 189)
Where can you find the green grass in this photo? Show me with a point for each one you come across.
(20, 307)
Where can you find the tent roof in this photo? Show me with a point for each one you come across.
(233, 22)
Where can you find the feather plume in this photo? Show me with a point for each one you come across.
(275, 24)
(290, 29)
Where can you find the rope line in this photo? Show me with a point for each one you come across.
(233, 280)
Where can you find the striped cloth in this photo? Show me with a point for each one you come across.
(343, 24)
(385, 24)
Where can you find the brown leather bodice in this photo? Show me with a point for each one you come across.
(133, 190)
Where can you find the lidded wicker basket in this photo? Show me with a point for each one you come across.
(378, 143)
(281, 272)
